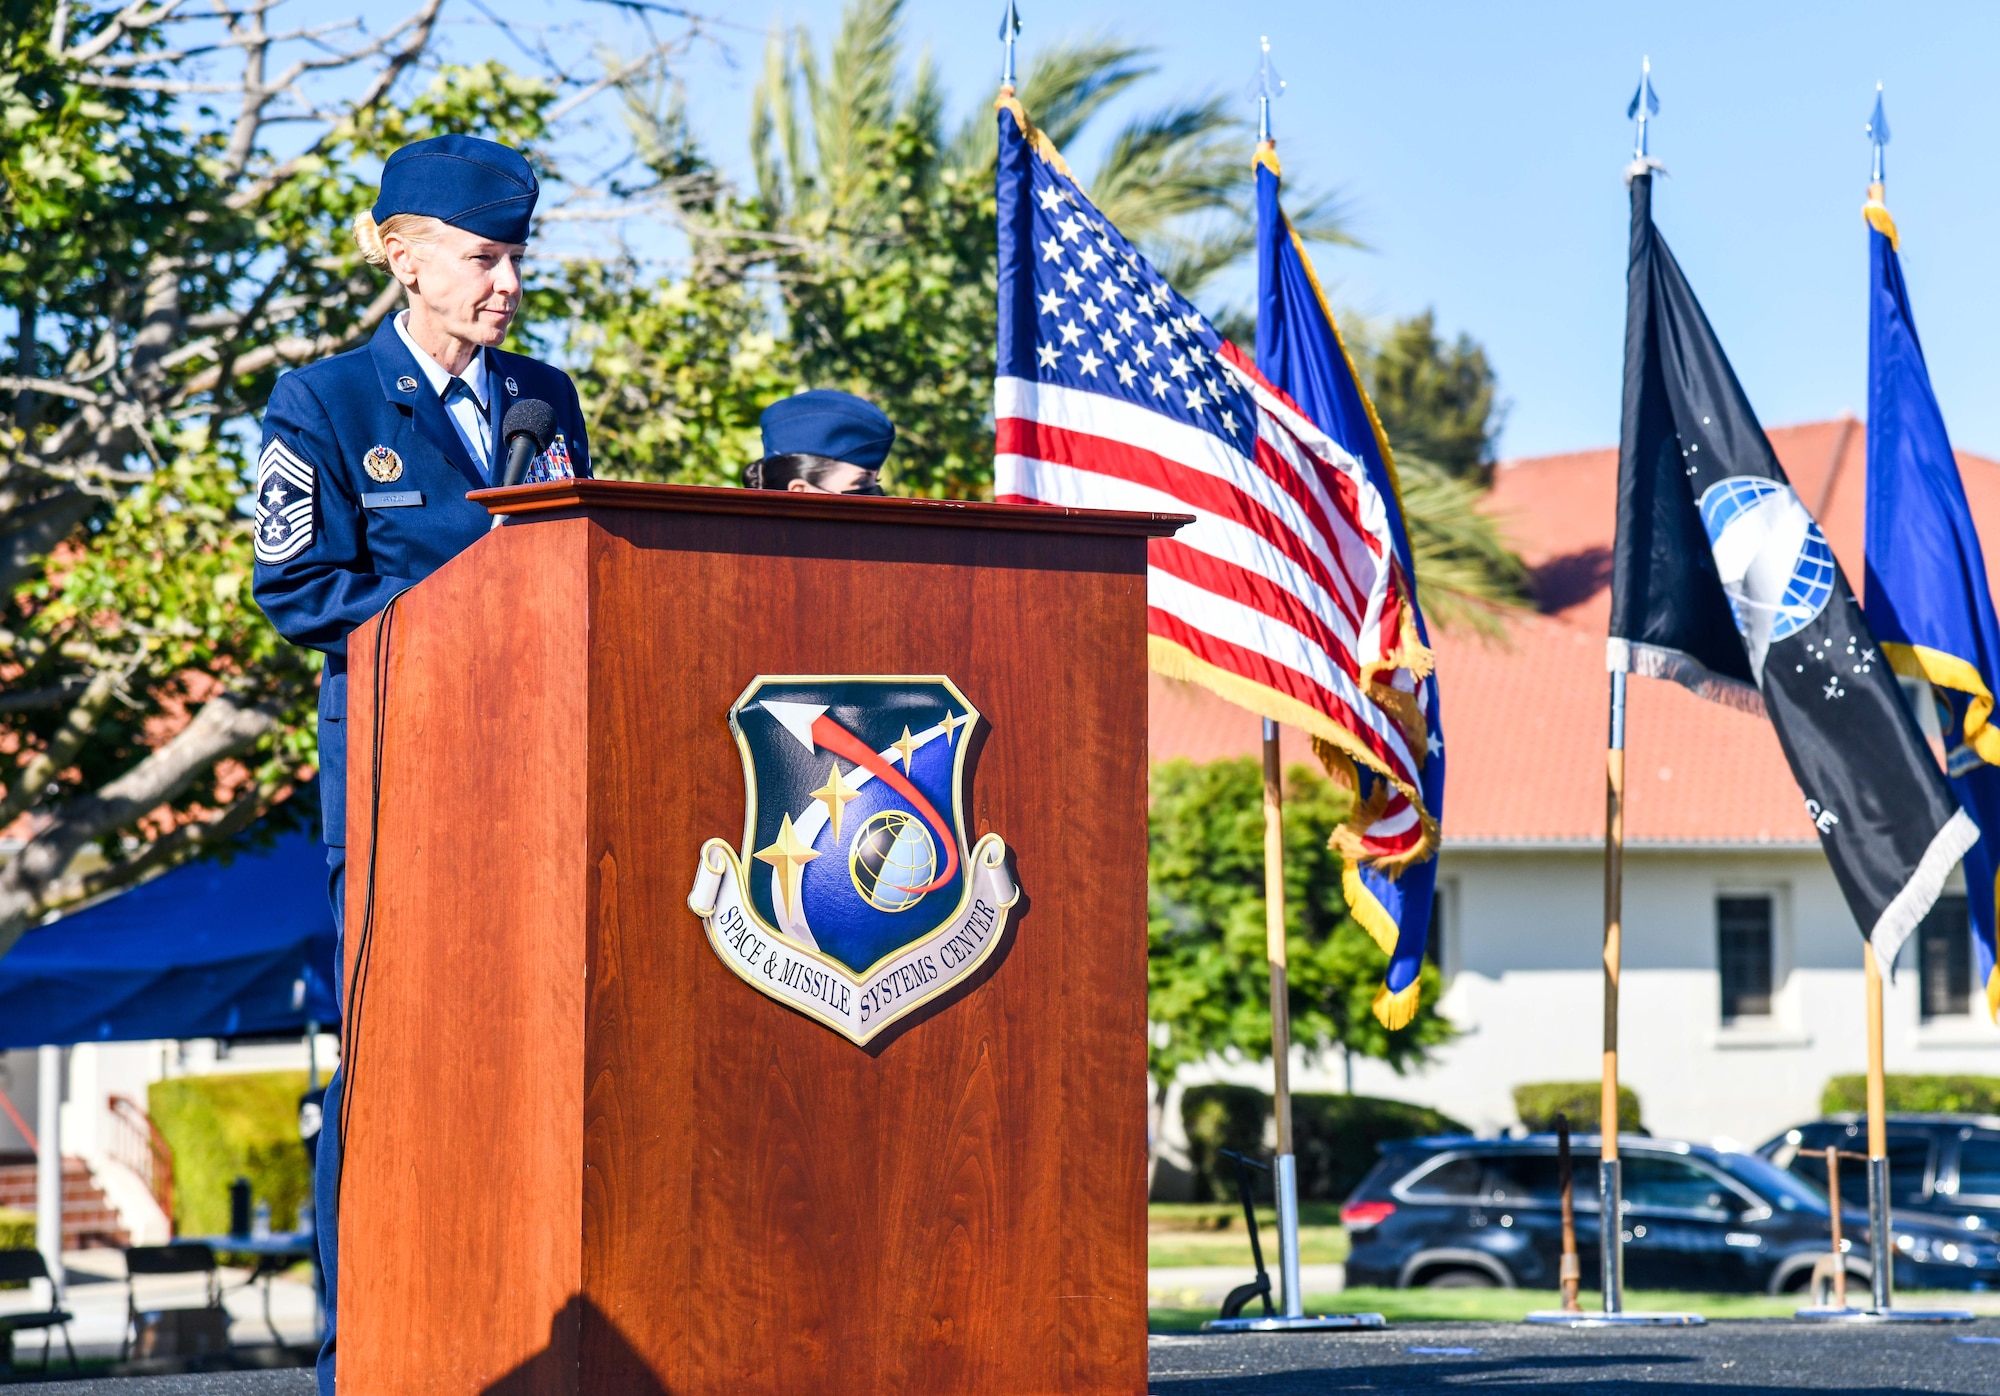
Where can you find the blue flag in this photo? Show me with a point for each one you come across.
(1926, 576)
(1299, 350)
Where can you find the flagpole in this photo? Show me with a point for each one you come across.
(1610, 1182)
(1284, 1173)
(1880, 1245)
(1881, 1235)
(1610, 1193)
(1285, 1176)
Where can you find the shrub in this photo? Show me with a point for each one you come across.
(1336, 1138)
(225, 1127)
(1339, 1137)
(1224, 1117)
(17, 1232)
(1953, 1095)
(17, 1229)
(1538, 1104)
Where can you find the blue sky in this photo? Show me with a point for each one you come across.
(1480, 147)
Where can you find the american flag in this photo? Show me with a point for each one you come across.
(1284, 595)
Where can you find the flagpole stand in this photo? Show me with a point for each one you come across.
(1610, 1178)
(1881, 1233)
(1285, 1176)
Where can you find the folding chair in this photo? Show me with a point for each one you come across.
(28, 1264)
(205, 1329)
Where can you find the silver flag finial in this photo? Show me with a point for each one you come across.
(1878, 136)
(1270, 87)
(1010, 29)
(1645, 105)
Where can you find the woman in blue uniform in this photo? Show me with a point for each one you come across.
(368, 457)
(822, 441)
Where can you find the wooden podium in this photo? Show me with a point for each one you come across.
(583, 1155)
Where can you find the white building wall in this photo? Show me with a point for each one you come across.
(1523, 936)
(18, 1080)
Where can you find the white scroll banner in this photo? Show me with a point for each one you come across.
(857, 1006)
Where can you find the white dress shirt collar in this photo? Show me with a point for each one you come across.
(471, 421)
(434, 372)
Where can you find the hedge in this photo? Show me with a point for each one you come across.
(1336, 1138)
(1538, 1103)
(230, 1126)
(1951, 1095)
(17, 1233)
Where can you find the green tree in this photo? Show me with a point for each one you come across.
(165, 264)
(870, 219)
(1466, 573)
(1208, 983)
(1436, 400)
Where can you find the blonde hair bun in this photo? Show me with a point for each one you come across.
(417, 231)
(368, 238)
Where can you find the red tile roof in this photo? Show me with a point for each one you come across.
(1526, 716)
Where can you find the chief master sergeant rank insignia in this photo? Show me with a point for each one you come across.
(284, 521)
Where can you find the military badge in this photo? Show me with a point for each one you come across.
(284, 518)
(382, 465)
(855, 897)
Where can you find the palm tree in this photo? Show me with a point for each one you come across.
(875, 224)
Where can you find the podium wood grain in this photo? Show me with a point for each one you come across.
(586, 1158)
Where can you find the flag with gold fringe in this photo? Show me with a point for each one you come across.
(1289, 595)
(1300, 350)
(1926, 592)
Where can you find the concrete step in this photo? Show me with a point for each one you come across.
(88, 1218)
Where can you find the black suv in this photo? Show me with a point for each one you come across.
(1942, 1167)
(1458, 1211)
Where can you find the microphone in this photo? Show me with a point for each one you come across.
(526, 431)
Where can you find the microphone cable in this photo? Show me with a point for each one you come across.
(350, 1041)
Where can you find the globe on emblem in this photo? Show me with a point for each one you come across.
(1775, 564)
(891, 857)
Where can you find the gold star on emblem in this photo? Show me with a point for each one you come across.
(788, 857)
(908, 747)
(834, 795)
(951, 724)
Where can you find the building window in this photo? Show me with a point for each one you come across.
(1434, 940)
(1743, 933)
(1944, 957)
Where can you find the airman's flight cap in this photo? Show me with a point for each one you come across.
(481, 186)
(825, 422)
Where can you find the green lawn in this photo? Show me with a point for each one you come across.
(1511, 1305)
(1211, 1233)
(1488, 1305)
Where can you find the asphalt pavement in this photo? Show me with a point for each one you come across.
(1775, 1356)
(1771, 1356)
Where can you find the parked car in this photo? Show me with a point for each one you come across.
(1945, 1167)
(1457, 1211)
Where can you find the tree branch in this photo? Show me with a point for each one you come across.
(132, 18)
(39, 698)
(183, 845)
(27, 535)
(55, 387)
(299, 350)
(46, 764)
(226, 726)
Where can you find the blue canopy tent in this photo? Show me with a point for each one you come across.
(212, 949)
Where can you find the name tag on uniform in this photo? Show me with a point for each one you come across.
(392, 499)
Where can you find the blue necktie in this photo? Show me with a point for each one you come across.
(458, 388)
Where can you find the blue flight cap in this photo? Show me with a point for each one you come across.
(481, 186)
(825, 422)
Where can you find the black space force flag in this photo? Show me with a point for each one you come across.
(1722, 581)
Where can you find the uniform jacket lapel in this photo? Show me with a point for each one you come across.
(392, 364)
(496, 411)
